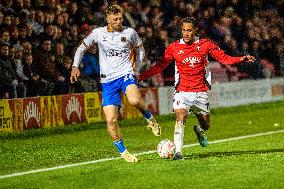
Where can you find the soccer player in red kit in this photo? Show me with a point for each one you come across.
(190, 56)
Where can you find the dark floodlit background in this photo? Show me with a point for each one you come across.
(42, 36)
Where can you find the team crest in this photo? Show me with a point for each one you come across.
(123, 39)
(180, 52)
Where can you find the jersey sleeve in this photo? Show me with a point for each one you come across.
(85, 45)
(159, 66)
(91, 39)
(137, 46)
(220, 55)
(136, 40)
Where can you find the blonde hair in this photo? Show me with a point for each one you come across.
(114, 9)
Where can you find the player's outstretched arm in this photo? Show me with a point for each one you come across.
(153, 70)
(159, 66)
(84, 46)
(75, 73)
(247, 58)
(220, 55)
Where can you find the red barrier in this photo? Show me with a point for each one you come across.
(52, 111)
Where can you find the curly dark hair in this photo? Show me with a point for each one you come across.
(189, 20)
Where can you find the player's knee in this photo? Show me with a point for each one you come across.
(205, 126)
(111, 122)
(204, 121)
(181, 116)
(134, 101)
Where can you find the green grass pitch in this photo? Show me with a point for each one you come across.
(249, 162)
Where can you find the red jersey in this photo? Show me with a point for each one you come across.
(191, 61)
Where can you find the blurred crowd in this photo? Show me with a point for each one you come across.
(39, 37)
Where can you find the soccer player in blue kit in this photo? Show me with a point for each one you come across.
(116, 73)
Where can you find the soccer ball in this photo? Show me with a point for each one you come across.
(166, 149)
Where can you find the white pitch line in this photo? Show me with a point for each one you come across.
(138, 154)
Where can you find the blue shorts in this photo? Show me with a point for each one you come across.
(111, 91)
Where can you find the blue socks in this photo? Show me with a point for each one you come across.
(119, 145)
(148, 115)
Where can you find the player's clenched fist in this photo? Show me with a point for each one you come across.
(75, 73)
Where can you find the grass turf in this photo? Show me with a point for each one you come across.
(247, 163)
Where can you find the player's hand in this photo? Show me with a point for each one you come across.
(247, 58)
(75, 73)
(138, 78)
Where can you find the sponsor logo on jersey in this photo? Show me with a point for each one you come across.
(123, 39)
(191, 61)
(113, 52)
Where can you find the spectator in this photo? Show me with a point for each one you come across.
(136, 13)
(256, 68)
(59, 53)
(5, 37)
(268, 68)
(65, 66)
(29, 32)
(73, 39)
(145, 14)
(18, 5)
(75, 16)
(18, 67)
(45, 63)
(38, 23)
(23, 16)
(86, 29)
(37, 86)
(8, 77)
(27, 5)
(66, 24)
(7, 8)
(163, 34)
(11, 53)
(22, 32)
(59, 21)
(50, 33)
(1, 17)
(173, 28)
(49, 16)
(129, 21)
(7, 21)
(154, 45)
(27, 47)
(14, 36)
